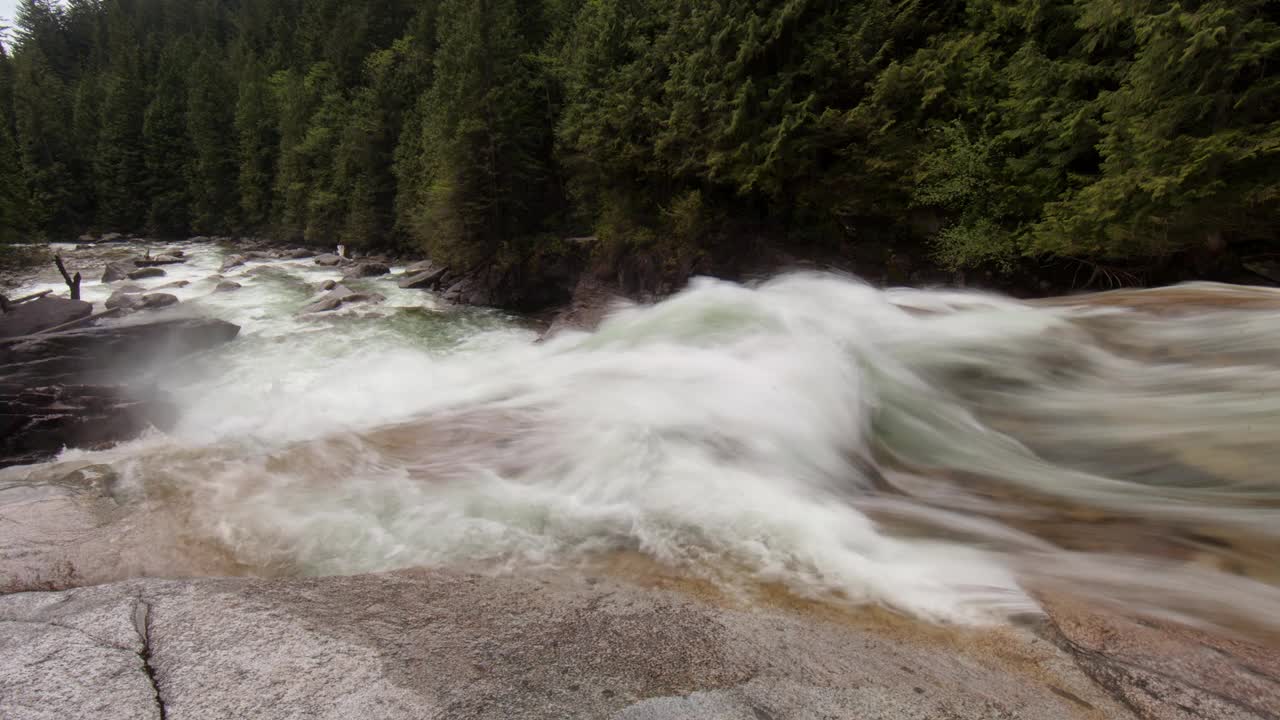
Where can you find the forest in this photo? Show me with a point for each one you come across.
(987, 131)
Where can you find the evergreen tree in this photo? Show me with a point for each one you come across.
(13, 211)
(167, 148)
(210, 115)
(486, 130)
(257, 142)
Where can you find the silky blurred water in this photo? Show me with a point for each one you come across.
(945, 454)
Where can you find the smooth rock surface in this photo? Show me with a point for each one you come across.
(366, 269)
(131, 300)
(73, 388)
(227, 286)
(115, 271)
(339, 296)
(453, 645)
(42, 314)
(233, 261)
(155, 301)
(424, 280)
(328, 260)
(38, 422)
(144, 273)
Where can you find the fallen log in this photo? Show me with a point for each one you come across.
(81, 321)
(28, 298)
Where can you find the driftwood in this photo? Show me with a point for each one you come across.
(28, 298)
(77, 323)
(72, 283)
(6, 304)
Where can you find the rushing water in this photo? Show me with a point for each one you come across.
(947, 454)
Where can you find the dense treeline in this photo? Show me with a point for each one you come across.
(487, 129)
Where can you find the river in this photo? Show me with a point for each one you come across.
(948, 455)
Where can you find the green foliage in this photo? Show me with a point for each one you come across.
(476, 129)
(167, 150)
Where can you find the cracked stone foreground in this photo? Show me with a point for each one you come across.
(458, 645)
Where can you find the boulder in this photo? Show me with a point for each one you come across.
(36, 423)
(227, 286)
(448, 644)
(420, 267)
(339, 296)
(232, 262)
(155, 301)
(424, 280)
(366, 269)
(592, 301)
(117, 271)
(86, 239)
(469, 290)
(109, 353)
(111, 237)
(125, 300)
(260, 254)
(157, 260)
(299, 254)
(328, 260)
(328, 285)
(42, 314)
(73, 388)
(147, 272)
(174, 284)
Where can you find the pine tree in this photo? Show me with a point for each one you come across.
(210, 116)
(167, 147)
(487, 132)
(257, 143)
(14, 218)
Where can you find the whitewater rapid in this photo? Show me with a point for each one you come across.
(947, 454)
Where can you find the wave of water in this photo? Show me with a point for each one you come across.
(947, 454)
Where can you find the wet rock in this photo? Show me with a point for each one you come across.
(112, 237)
(155, 301)
(1164, 671)
(328, 285)
(468, 647)
(366, 269)
(425, 280)
(174, 252)
(176, 284)
(261, 254)
(109, 353)
(158, 260)
(470, 290)
(592, 301)
(73, 388)
(42, 314)
(144, 273)
(38, 422)
(339, 296)
(328, 260)
(1268, 270)
(299, 254)
(87, 239)
(420, 267)
(117, 271)
(130, 300)
(227, 286)
(232, 262)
